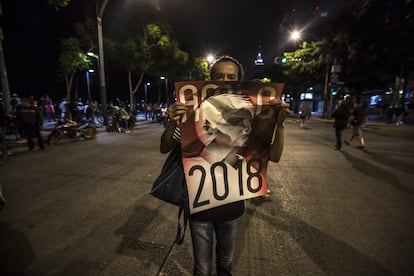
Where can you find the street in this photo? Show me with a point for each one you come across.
(83, 208)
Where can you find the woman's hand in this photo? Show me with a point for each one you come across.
(176, 111)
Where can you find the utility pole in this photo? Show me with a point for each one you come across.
(102, 86)
(3, 73)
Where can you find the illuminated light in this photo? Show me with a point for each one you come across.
(210, 58)
(295, 35)
(293, 10)
(284, 60)
(317, 8)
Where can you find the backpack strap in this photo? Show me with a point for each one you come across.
(181, 225)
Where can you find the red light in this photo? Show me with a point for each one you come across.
(317, 8)
(293, 10)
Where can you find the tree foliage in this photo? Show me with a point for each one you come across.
(153, 53)
(313, 60)
(71, 60)
(86, 32)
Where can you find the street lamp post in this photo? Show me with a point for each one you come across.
(167, 100)
(88, 83)
(146, 91)
(146, 85)
(102, 87)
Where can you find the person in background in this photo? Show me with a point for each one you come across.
(164, 115)
(64, 109)
(50, 111)
(222, 221)
(91, 111)
(123, 120)
(399, 114)
(341, 116)
(30, 119)
(305, 114)
(357, 119)
(15, 102)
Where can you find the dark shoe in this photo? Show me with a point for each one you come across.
(337, 148)
(361, 147)
(346, 142)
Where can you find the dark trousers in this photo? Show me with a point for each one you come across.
(338, 135)
(31, 130)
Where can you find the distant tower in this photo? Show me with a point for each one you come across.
(259, 60)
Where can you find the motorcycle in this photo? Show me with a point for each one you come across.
(71, 129)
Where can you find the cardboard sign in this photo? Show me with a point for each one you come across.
(225, 138)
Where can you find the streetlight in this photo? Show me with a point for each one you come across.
(167, 100)
(102, 86)
(210, 59)
(90, 54)
(295, 35)
(146, 85)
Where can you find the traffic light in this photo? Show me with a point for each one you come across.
(281, 60)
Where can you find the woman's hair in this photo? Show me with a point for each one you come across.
(227, 58)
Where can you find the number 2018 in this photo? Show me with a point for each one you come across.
(251, 175)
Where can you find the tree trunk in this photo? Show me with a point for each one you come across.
(69, 81)
(133, 91)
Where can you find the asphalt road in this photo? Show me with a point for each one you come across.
(83, 208)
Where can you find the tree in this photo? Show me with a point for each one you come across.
(86, 33)
(71, 60)
(318, 56)
(198, 69)
(151, 53)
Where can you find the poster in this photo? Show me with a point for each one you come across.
(225, 137)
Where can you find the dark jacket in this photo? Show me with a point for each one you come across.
(29, 115)
(341, 116)
(358, 115)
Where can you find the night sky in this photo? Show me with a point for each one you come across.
(33, 30)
